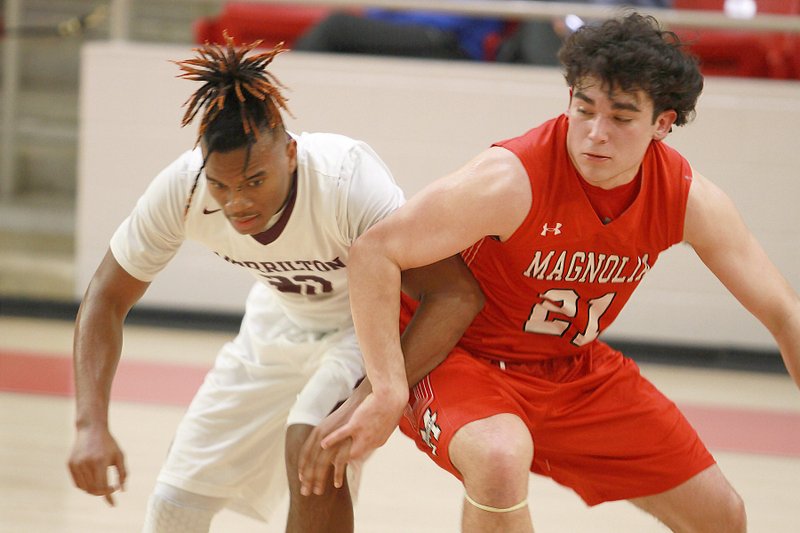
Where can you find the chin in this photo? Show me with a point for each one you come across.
(254, 232)
(591, 177)
(596, 175)
(594, 179)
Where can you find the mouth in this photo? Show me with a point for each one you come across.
(595, 157)
(244, 223)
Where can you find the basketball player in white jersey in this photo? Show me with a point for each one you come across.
(286, 208)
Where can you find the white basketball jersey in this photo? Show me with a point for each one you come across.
(342, 189)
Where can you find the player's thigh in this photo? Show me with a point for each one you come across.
(705, 503)
(241, 396)
(334, 374)
(236, 417)
(230, 443)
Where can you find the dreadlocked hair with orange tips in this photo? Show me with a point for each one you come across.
(240, 99)
(238, 96)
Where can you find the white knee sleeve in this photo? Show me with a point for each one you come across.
(173, 510)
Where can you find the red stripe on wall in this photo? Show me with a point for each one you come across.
(746, 430)
(135, 381)
(767, 432)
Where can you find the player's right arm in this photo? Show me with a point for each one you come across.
(140, 248)
(97, 347)
(489, 196)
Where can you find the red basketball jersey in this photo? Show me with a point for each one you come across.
(563, 276)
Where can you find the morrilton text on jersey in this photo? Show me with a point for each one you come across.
(294, 282)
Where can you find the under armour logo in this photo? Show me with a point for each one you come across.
(556, 230)
(431, 431)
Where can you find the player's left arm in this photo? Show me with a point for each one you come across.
(719, 236)
(449, 297)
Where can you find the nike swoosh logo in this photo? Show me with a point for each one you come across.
(207, 211)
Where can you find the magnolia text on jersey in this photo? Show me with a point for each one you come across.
(587, 266)
(313, 265)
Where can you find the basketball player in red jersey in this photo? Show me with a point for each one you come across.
(559, 226)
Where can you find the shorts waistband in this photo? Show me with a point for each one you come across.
(560, 368)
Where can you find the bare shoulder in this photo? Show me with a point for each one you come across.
(703, 190)
(499, 180)
(488, 195)
(502, 168)
(709, 212)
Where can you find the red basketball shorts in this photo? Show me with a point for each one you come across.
(598, 426)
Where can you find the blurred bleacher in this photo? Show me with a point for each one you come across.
(39, 114)
(754, 54)
(41, 42)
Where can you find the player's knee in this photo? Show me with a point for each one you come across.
(729, 517)
(735, 515)
(725, 511)
(503, 463)
(171, 509)
(700, 510)
(296, 435)
(496, 452)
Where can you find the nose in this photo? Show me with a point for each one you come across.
(598, 131)
(237, 201)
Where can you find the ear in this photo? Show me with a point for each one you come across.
(664, 123)
(291, 154)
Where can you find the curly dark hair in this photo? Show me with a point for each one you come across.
(633, 53)
(238, 96)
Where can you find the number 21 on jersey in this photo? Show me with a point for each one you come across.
(565, 302)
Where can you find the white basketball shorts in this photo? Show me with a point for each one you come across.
(230, 443)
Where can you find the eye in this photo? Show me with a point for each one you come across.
(255, 183)
(216, 185)
(623, 120)
(583, 111)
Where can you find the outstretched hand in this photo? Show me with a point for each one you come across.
(369, 427)
(96, 451)
(362, 424)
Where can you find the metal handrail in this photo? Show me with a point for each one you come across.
(11, 14)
